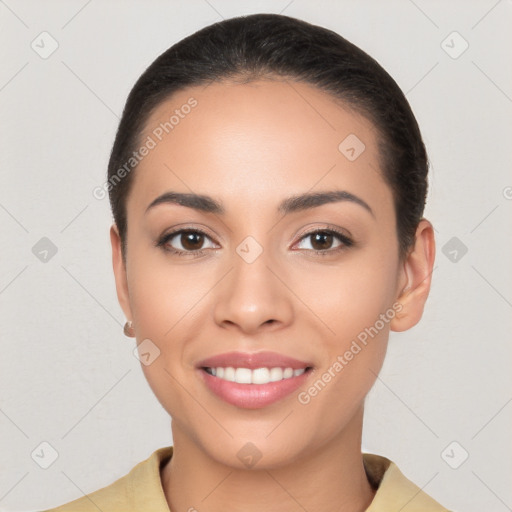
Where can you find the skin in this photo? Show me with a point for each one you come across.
(250, 146)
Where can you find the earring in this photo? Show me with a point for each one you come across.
(128, 329)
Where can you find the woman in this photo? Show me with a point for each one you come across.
(267, 182)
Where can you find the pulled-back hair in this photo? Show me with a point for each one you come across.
(272, 46)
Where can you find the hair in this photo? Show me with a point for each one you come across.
(272, 46)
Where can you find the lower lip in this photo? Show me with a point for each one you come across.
(252, 396)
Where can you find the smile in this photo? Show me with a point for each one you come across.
(252, 380)
(253, 388)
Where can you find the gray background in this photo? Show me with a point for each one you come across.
(68, 376)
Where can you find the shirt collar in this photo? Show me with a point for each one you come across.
(394, 491)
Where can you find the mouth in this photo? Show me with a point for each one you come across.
(253, 381)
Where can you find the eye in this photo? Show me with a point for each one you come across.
(191, 241)
(186, 241)
(322, 241)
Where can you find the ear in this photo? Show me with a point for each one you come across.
(123, 295)
(415, 278)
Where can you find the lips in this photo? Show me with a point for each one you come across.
(286, 375)
(253, 361)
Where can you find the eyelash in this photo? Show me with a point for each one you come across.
(346, 242)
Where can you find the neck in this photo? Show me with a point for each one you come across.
(333, 479)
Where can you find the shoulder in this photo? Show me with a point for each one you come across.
(394, 491)
(137, 490)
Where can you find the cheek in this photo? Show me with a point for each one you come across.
(352, 297)
(166, 301)
(162, 310)
(165, 296)
(353, 353)
(356, 306)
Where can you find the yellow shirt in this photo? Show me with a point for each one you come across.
(141, 489)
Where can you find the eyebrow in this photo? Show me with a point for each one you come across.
(289, 205)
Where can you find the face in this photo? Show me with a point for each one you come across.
(316, 281)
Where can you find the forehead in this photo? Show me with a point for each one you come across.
(260, 139)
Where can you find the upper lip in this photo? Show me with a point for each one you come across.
(253, 360)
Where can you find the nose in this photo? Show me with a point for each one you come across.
(252, 297)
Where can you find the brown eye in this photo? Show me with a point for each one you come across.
(191, 240)
(321, 240)
(326, 241)
(185, 241)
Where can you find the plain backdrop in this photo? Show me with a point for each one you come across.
(68, 375)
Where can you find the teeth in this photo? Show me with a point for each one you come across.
(275, 374)
(229, 374)
(257, 376)
(260, 376)
(243, 376)
(288, 372)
